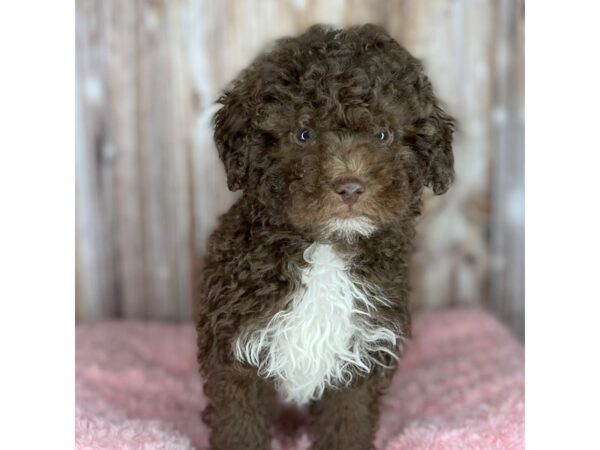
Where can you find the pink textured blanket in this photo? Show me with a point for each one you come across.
(460, 385)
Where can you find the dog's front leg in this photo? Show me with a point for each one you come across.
(239, 410)
(346, 418)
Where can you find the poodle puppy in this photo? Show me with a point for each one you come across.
(332, 137)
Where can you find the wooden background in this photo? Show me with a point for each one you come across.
(149, 183)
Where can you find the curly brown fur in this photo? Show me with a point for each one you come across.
(344, 88)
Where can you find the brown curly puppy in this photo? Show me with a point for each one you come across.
(332, 137)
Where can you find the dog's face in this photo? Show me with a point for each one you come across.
(339, 175)
(336, 132)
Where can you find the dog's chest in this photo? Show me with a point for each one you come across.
(325, 334)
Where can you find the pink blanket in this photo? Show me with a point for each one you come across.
(459, 386)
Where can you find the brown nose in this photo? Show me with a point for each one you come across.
(349, 189)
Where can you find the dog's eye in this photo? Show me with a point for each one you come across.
(384, 136)
(304, 135)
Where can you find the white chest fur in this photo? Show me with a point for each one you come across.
(326, 332)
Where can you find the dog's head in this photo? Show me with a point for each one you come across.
(335, 131)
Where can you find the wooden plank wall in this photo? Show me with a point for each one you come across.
(149, 184)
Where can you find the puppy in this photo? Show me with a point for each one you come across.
(332, 137)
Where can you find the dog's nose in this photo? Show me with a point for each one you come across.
(350, 189)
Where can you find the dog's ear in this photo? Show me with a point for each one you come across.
(231, 134)
(432, 140)
(241, 124)
(236, 132)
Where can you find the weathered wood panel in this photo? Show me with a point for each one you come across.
(150, 185)
(507, 227)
